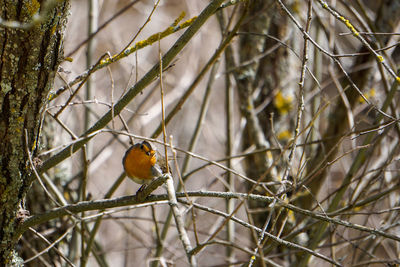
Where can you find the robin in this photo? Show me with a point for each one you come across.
(141, 163)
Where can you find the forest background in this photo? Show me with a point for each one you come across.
(279, 119)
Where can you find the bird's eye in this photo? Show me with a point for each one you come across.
(148, 153)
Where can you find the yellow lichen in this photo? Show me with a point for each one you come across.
(50, 96)
(158, 36)
(284, 135)
(291, 216)
(349, 25)
(33, 145)
(32, 7)
(53, 29)
(103, 61)
(368, 95)
(296, 7)
(20, 119)
(269, 155)
(67, 196)
(380, 58)
(178, 19)
(356, 209)
(141, 44)
(283, 103)
(187, 23)
(372, 92)
(153, 38)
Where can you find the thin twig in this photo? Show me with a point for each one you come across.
(356, 34)
(102, 26)
(51, 246)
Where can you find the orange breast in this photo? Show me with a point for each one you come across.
(138, 164)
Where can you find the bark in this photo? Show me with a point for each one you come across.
(246, 79)
(30, 54)
(264, 75)
(257, 82)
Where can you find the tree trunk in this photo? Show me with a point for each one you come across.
(264, 75)
(31, 38)
(257, 82)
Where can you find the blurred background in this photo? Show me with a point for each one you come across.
(246, 109)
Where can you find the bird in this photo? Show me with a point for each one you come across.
(141, 163)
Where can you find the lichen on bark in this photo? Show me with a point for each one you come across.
(30, 54)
